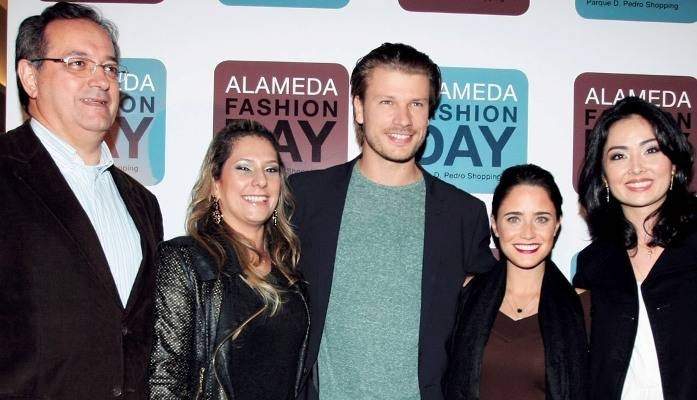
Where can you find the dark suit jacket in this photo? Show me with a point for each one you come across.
(64, 333)
(456, 242)
(670, 295)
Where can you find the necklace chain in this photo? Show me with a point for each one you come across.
(519, 310)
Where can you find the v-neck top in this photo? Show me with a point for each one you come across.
(513, 366)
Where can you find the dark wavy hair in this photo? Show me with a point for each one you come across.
(31, 40)
(606, 221)
(400, 57)
(525, 174)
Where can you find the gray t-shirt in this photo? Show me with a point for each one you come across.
(369, 347)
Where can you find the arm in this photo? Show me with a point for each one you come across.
(585, 297)
(581, 279)
(172, 360)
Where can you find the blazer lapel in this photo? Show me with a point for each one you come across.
(435, 217)
(135, 207)
(676, 258)
(619, 275)
(43, 178)
(328, 218)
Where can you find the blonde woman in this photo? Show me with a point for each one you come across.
(230, 317)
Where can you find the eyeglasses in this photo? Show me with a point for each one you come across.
(84, 67)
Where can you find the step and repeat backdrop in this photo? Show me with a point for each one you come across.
(524, 80)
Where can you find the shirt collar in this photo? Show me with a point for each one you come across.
(65, 155)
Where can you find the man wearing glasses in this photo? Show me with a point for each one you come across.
(77, 236)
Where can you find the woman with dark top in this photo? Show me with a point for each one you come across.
(641, 268)
(520, 330)
(231, 321)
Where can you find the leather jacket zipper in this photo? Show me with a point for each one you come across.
(232, 336)
(199, 393)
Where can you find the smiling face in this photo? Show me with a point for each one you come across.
(78, 109)
(635, 168)
(526, 224)
(394, 114)
(249, 185)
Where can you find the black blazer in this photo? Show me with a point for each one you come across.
(670, 295)
(456, 243)
(64, 333)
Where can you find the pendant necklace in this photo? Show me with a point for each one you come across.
(519, 310)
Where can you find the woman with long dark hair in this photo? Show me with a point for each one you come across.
(641, 268)
(520, 330)
(230, 317)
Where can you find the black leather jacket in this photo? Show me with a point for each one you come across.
(194, 328)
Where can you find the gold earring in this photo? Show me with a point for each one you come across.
(672, 178)
(215, 213)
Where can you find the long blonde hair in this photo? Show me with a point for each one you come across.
(281, 241)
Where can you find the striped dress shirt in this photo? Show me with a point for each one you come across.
(96, 191)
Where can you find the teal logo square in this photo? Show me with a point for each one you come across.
(480, 127)
(684, 11)
(137, 138)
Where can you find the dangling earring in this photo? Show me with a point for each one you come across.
(274, 217)
(672, 178)
(607, 193)
(216, 214)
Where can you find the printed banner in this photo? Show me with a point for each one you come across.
(639, 10)
(480, 127)
(595, 92)
(497, 7)
(137, 138)
(112, 1)
(288, 3)
(304, 104)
